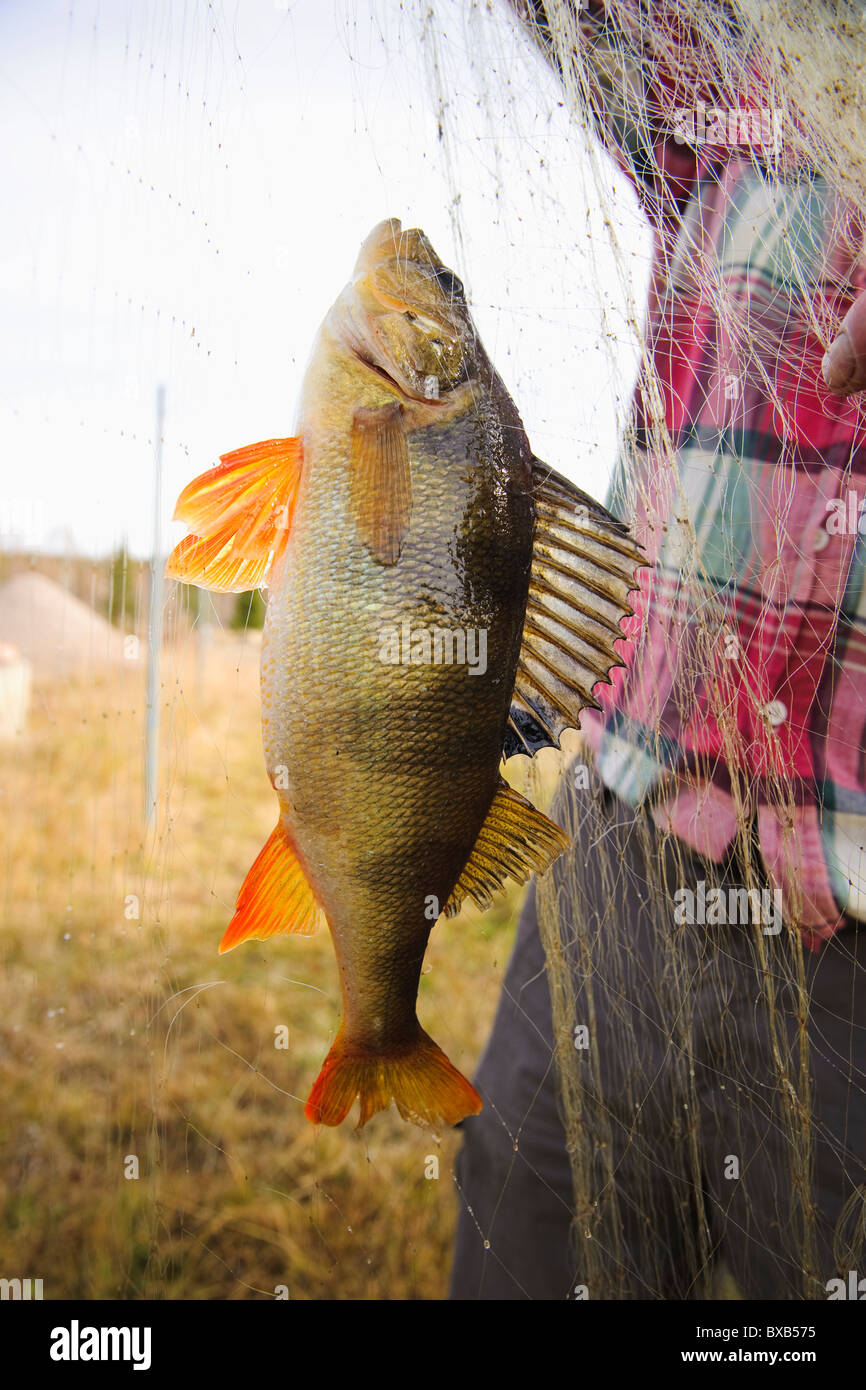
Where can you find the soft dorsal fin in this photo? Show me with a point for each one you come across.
(275, 896)
(381, 484)
(240, 516)
(514, 841)
(583, 569)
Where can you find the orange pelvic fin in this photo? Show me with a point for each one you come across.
(419, 1078)
(381, 484)
(275, 897)
(240, 515)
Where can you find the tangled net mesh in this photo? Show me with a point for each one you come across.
(800, 69)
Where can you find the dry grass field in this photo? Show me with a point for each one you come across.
(128, 1044)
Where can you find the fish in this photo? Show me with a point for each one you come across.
(438, 599)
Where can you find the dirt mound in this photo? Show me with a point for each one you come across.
(56, 632)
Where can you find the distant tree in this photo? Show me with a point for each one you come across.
(122, 603)
(249, 610)
(188, 599)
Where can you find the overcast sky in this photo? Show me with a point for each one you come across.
(185, 189)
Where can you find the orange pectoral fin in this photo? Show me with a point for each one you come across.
(275, 897)
(240, 515)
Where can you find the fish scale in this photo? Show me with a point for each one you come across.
(379, 854)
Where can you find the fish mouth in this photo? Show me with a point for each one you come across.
(391, 330)
(368, 347)
(398, 384)
(371, 349)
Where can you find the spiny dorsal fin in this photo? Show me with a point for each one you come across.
(381, 484)
(514, 841)
(240, 515)
(583, 569)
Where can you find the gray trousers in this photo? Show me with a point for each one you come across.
(686, 1079)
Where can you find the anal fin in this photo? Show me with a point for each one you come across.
(515, 841)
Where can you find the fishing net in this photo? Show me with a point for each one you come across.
(154, 1143)
(693, 1061)
(193, 183)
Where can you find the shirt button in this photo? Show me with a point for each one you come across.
(776, 712)
(820, 538)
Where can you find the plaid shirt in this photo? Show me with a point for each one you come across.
(756, 602)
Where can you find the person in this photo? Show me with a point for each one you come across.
(711, 1113)
(844, 364)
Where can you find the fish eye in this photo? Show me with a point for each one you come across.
(449, 282)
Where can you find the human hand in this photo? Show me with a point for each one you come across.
(844, 364)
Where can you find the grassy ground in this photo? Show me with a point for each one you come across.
(127, 1044)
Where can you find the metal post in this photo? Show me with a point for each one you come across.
(154, 628)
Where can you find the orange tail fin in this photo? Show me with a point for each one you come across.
(275, 896)
(420, 1080)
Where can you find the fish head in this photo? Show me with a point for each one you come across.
(404, 315)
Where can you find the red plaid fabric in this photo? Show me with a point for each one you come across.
(770, 627)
